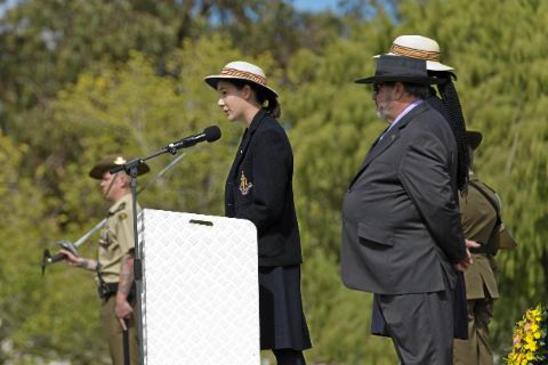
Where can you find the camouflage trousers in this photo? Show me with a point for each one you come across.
(475, 350)
(114, 335)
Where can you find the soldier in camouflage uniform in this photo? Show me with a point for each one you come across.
(480, 208)
(114, 264)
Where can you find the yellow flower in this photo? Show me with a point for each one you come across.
(517, 340)
(529, 337)
(530, 345)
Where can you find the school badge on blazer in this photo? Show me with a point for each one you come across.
(245, 185)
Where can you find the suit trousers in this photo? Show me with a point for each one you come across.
(114, 335)
(420, 325)
(476, 350)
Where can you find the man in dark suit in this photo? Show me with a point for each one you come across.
(402, 238)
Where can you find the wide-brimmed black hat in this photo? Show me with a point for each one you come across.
(473, 138)
(109, 162)
(399, 68)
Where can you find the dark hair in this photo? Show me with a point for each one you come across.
(417, 90)
(470, 156)
(449, 106)
(273, 107)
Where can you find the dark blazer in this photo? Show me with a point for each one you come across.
(259, 188)
(401, 222)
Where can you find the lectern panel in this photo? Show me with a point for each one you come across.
(200, 289)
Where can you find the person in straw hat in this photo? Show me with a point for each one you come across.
(481, 220)
(402, 238)
(427, 49)
(114, 264)
(478, 311)
(259, 188)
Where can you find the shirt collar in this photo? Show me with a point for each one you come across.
(405, 111)
(116, 206)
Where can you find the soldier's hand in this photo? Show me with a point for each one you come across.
(472, 244)
(70, 258)
(123, 309)
(467, 261)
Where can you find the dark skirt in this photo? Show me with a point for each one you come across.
(282, 320)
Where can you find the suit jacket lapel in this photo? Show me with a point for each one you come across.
(375, 151)
(382, 144)
(246, 139)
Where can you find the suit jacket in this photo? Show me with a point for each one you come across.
(259, 188)
(401, 222)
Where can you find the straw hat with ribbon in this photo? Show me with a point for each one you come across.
(240, 70)
(419, 47)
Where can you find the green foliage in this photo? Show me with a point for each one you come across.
(109, 88)
(46, 44)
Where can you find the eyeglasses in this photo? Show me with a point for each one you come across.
(377, 87)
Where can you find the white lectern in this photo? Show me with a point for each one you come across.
(200, 289)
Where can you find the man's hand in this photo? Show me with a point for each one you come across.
(71, 259)
(467, 261)
(123, 311)
(78, 261)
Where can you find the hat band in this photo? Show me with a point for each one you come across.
(415, 53)
(244, 75)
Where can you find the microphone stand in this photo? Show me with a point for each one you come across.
(48, 258)
(131, 168)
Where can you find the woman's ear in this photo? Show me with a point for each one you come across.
(248, 93)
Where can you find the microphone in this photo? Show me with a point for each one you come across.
(210, 134)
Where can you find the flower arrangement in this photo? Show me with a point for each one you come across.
(530, 343)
